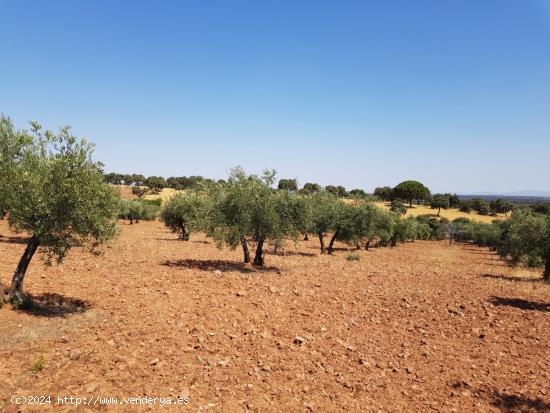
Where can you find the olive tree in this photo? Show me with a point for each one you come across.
(138, 210)
(440, 201)
(526, 237)
(324, 210)
(246, 209)
(61, 201)
(185, 212)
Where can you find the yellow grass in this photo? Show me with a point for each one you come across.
(450, 213)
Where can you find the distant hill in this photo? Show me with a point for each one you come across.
(519, 197)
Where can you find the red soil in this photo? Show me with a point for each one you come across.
(420, 327)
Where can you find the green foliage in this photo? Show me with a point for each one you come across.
(526, 238)
(338, 191)
(185, 212)
(288, 185)
(186, 182)
(465, 206)
(139, 191)
(247, 209)
(13, 144)
(310, 188)
(384, 193)
(138, 210)
(398, 207)
(353, 257)
(500, 206)
(61, 198)
(440, 201)
(155, 183)
(411, 190)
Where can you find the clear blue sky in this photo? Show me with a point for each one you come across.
(360, 93)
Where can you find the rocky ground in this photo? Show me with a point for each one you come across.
(420, 327)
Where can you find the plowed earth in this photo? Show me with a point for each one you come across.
(421, 327)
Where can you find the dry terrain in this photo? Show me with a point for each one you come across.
(450, 214)
(421, 327)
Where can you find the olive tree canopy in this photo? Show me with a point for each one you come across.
(59, 198)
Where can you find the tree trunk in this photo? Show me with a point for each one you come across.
(438, 211)
(246, 251)
(184, 234)
(410, 203)
(367, 245)
(259, 257)
(546, 275)
(19, 276)
(322, 242)
(131, 221)
(306, 237)
(331, 243)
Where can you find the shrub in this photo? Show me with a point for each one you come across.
(398, 207)
(138, 210)
(39, 364)
(353, 257)
(139, 191)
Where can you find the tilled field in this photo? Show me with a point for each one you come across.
(421, 327)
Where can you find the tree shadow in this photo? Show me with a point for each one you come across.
(222, 265)
(14, 240)
(520, 303)
(514, 403)
(505, 402)
(54, 305)
(513, 278)
(290, 253)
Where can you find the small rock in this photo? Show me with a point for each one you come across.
(75, 354)
(92, 387)
(154, 362)
(241, 293)
(409, 370)
(218, 272)
(299, 340)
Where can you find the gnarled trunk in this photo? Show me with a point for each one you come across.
(246, 251)
(367, 245)
(306, 237)
(259, 257)
(331, 243)
(19, 275)
(322, 242)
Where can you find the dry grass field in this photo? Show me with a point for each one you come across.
(450, 214)
(421, 327)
